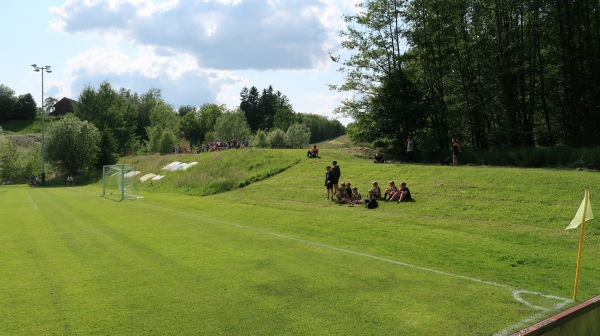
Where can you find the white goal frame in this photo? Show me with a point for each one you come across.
(115, 181)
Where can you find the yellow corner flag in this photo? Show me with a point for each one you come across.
(579, 216)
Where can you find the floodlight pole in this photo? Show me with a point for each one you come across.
(42, 69)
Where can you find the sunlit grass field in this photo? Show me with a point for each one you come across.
(480, 251)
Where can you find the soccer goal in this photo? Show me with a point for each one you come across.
(118, 181)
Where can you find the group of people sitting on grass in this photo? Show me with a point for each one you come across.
(224, 145)
(346, 194)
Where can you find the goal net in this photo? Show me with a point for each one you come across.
(118, 181)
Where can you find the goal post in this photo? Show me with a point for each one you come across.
(118, 181)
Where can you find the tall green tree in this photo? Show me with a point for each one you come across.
(191, 128)
(375, 73)
(183, 110)
(72, 144)
(492, 73)
(232, 125)
(284, 118)
(162, 119)
(112, 111)
(7, 102)
(260, 109)
(250, 106)
(25, 107)
(209, 114)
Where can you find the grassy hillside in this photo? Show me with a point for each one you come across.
(275, 257)
(215, 172)
(24, 126)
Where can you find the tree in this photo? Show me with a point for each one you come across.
(261, 139)
(191, 128)
(387, 102)
(162, 118)
(7, 102)
(185, 109)
(232, 126)
(209, 114)
(297, 136)
(146, 102)
(321, 128)
(283, 118)
(260, 109)
(249, 105)
(277, 138)
(72, 144)
(117, 111)
(108, 154)
(49, 104)
(25, 107)
(167, 142)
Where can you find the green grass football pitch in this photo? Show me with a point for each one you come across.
(481, 251)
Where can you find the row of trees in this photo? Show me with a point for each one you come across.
(128, 122)
(12, 107)
(270, 109)
(109, 123)
(492, 73)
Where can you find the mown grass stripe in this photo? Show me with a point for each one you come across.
(514, 290)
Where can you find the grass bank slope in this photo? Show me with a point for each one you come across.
(276, 258)
(214, 172)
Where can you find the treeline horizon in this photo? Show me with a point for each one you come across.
(129, 120)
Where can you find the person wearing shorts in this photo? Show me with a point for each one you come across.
(335, 176)
(328, 183)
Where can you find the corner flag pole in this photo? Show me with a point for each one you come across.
(585, 203)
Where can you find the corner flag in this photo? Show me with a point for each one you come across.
(583, 215)
(585, 211)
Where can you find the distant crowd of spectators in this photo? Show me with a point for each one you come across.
(210, 146)
(223, 145)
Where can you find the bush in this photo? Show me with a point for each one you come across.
(17, 164)
(277, 138)
(167, 142)
(297, 136)
(261, 140)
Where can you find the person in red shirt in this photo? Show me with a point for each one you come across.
(313, 153)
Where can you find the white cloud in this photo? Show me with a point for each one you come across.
(178, 77)
(195, 51)
(228, 35)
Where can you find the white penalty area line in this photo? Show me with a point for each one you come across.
(516, 292)
(32, 201)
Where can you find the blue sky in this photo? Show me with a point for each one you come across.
(194, 51)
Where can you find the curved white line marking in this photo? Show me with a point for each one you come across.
(516, 291)
(31, 199)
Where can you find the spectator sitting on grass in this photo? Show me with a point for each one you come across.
(342, 194)
(348, 189)
(356, 197)
(402, 195)
(379, 157)
(313, 152)
(390, 191)
(375, 190)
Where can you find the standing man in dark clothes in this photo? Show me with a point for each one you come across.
(335, 176)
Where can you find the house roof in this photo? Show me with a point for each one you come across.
(63, 106)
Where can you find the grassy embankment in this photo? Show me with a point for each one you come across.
(275, 258)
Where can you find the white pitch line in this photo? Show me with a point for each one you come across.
(516, 291)
(31, 199)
